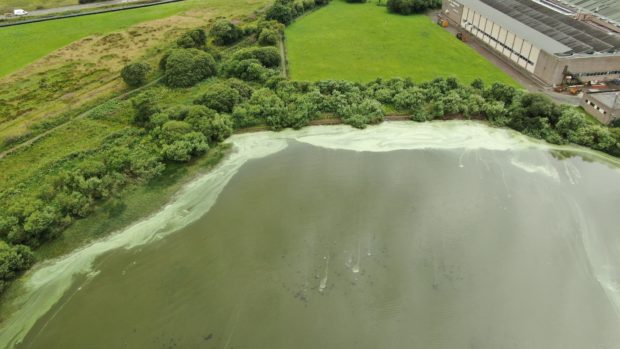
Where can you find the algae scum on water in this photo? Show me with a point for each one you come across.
(438, 235)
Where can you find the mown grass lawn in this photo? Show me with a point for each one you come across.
(361, 42)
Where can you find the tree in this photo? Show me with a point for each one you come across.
(368, 111)
(268, 37)
(196, 38)
(135, 74)
(216, 127)
(248, 70)
(281, 13)
(502, 93)
(186, 67)
(188, 145)
(220, 97)
(145, 105)
(407, 7)
(13, 261)
(267, 56)
(478, 84)
(225, 32)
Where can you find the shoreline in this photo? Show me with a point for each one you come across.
(193, 193)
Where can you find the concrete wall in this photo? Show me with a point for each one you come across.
(453, 10)
(550, 67)
(593, 107)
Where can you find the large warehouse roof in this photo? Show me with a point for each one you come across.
(607, 8)
(522, 30)
(580, 37)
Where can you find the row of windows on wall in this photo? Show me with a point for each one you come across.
(498, 42)
(613, 72)
(599, 109)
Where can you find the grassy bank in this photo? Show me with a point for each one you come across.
(361, 42)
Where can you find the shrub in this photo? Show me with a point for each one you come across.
(215, 127)
(281, 13)
(356, 1)
(245, 90)
(407, 7)
(358, 115)
(135, 74)
(186, 67)
(188, 145)
(267, 56)
(270, 25)
(268, 37)
(225, 32)
(308, 4)
(248, 70)
(196, 38)
(145, 105)
(13, 261)
(220, 97)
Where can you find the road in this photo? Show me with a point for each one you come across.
(51, 11)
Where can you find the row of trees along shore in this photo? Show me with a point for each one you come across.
(235, 68)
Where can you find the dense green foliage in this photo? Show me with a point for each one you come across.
(13, 260)
(186, 67)
(280, 12)
(225, 32)
(285, 11)
(267, 56)
(196, 38)
(135, 74)
(407, 7)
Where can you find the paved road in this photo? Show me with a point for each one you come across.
(54, 10)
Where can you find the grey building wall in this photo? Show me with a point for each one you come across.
(453, 10)
(550, 67)
(596, 108)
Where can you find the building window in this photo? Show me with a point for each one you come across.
(470, 27)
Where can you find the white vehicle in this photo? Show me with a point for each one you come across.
(20, 12)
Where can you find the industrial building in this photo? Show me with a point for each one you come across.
(609, 10)
(544, 39)
(603, 105)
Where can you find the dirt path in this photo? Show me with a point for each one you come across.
(283, 66)
(80, 116)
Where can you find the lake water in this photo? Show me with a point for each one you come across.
(442, 235)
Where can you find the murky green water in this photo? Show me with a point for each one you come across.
(318, 247)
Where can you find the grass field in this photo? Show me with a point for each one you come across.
(361, 42)
(23, 44)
